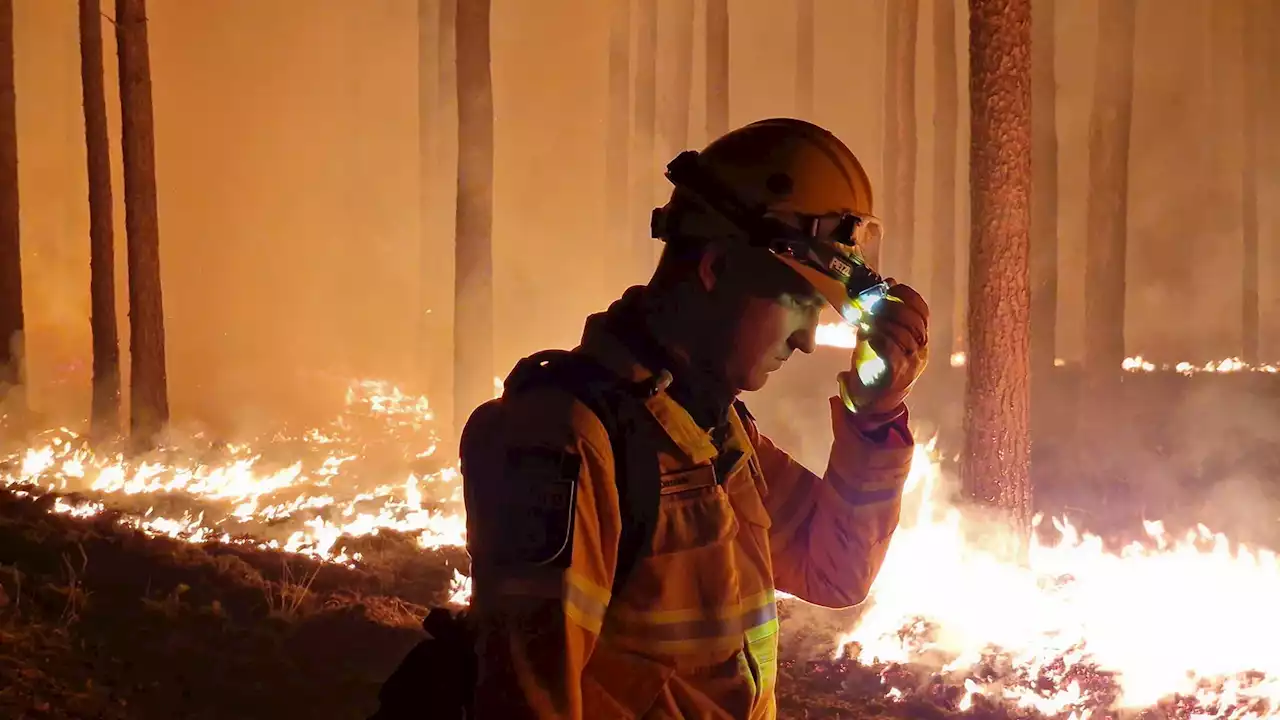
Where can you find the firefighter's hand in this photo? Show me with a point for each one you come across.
(891, 352)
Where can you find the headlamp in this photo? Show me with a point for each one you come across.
(823, 248)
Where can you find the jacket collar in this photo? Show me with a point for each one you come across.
(693, 413)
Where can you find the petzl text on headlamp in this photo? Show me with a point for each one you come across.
(828, 244)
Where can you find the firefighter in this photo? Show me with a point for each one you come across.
(693, 633)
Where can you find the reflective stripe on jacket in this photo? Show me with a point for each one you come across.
(694, 632)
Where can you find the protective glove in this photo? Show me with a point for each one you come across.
(889, 356)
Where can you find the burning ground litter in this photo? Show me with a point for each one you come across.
(361, 518)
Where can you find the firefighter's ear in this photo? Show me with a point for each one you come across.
(711, 265)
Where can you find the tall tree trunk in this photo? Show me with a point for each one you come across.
(445, 186)
(1044, 231)
(1254, 88)
(428, 91)
(105, 409)
(11, 320)
(947, 131)
(681, 46)
(617, 166)
(1105, 250)
(473, 254)
(804, 58)
(997, 456)
(149, 394)
(1109, 128)
(643, 138)
(1044, 191)
(717, 68)
(902, 19)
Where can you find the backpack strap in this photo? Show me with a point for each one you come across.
(619, 406)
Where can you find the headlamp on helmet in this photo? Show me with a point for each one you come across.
(823, 248)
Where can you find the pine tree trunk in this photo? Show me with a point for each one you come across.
(148, 396)
(445, 186)
(717, 68)
(1044, 191)
(899, 208)
(617, 166)
(11, 317)
(1254, 89)
(681, 47)
(473, 294)
(105, 408)
(942, 335)
(804, 58)
(995, 464)
(643, 138)
(1106, 239)
(428, 254)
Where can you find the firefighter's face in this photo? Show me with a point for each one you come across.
(764, 312)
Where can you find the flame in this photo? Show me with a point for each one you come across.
(1192, 616)
(841, 335)
(1175, 615)
(372, 468)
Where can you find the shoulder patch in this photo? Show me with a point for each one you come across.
(534, 518)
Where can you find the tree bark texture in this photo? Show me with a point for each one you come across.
(996, 459)
(1254, 88)
(900, 143)
(11, 316)
(148, 396)
(644, 156)
(1107, 236)
(717, 61)
(947, 131)
(105, 406)
(804, 58)
(676, 117)
(617, 165)
(473, 254)
(1044, 190)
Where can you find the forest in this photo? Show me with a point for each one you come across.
(259, 262)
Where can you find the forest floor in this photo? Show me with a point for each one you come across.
(98, 620)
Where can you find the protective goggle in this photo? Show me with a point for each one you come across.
(826, 249)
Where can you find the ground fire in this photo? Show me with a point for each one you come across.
(1186, 623)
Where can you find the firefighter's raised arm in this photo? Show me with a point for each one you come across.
(829, 535)
(543, 527)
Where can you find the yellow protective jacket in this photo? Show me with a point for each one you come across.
(694, 631)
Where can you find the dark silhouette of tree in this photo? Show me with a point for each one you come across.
(995, 464)
(676, 112)
(942, 335)
(899, 207)
(1255, 87)
(617, 165)
(1109, 128)
(644, 186)
(148, 387)
(473, 253)
(428, 208)
(717, 68)
(1044, 192)
(105, 408)
(11, 318)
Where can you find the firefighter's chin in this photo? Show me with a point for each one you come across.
(756, 378)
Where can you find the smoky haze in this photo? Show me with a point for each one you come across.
(288, 149)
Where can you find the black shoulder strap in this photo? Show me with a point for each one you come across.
(621, 411)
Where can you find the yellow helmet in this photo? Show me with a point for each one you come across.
(787, 186)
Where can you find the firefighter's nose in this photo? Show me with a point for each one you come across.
(805, 339)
